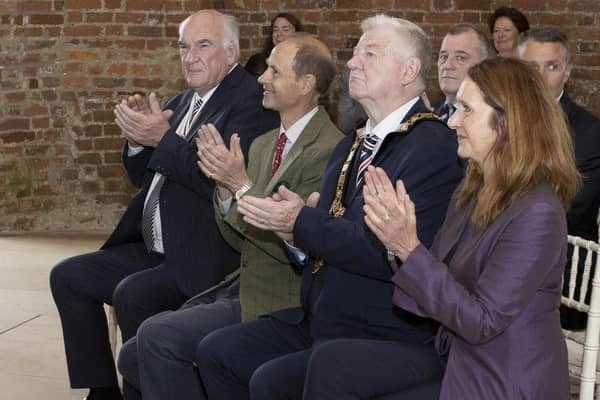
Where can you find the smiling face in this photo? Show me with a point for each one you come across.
(472, 122)
(550, 59)
(281, 88)
(457, 54)
(505, 37)
(280, 30)
(204, 61)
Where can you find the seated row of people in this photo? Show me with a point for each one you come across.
(297, 239)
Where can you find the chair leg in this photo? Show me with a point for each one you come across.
(114, 335)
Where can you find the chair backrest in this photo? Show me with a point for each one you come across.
(584, 254)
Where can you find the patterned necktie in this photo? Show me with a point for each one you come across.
(152, 202)
(278, 153)
(365, 156)
(195, 110)
(446, 112)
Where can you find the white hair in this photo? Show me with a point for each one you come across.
(231, 30)
(408, 33)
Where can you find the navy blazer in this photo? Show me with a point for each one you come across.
(192, 243)
(585, 132)
(351, 296)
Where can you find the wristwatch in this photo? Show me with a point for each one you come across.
(238, 195)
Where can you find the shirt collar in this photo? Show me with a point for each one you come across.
(293, 132)
(209, 94)
(391, 122)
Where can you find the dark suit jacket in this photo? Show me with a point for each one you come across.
(585, 131)
(192, 244)
(497, 300)
(267, 280)
(351, 295)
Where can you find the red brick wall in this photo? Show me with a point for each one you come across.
(64, 64)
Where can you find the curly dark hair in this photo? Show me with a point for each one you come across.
(516, 16)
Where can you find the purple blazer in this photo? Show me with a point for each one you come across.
(497, 301)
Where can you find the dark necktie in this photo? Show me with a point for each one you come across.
(365, 155)
(446, 112)
(154, 196)
(278, 153)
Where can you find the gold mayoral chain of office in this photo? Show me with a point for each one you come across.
(337, 209)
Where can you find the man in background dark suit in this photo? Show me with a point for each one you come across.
(463, 46)
(346, 289)
(167, 246)
(547, 48)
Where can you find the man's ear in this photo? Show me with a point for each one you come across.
(230, 53)
(309, 82)
(412, 69)
(567, 73)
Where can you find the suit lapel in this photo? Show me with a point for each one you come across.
(181, 109)
(308, 136)
(213, 110)
(383, 153)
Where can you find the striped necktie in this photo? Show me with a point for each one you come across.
(151, 206)
(195, 110)
(446, 112)
(365, 156)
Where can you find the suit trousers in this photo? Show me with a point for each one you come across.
(136, 283)
(264, 359)
(160, 360)
(356, 369)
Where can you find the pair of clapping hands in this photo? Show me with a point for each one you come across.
(389, 212)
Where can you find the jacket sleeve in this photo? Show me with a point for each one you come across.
(347, 243)
(526, 251)
(312, 167)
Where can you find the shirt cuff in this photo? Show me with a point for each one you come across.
(299, 256)
(133, 150)
(224, 205)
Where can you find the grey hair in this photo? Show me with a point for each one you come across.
(231, 30)
(485, 47)
(412, 35)
(546, 34)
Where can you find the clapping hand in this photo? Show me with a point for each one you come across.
(143, 124)
(390, 213)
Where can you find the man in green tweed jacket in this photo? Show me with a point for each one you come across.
(299, 72)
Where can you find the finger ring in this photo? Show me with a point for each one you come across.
(210, 175)
(386, 217)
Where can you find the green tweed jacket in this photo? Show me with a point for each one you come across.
(267, 280)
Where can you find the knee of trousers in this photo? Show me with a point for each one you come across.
(63, 277)
(209, 352)
(267, 383)
(125, 297)
(158, 337)
(127, 363)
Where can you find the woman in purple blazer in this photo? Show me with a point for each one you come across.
(492, 277)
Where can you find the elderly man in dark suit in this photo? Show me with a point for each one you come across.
(167, 245)
(295, 154)
(548, 49)
(346, 289)
(463, 46)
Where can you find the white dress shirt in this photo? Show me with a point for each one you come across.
(181, 131)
